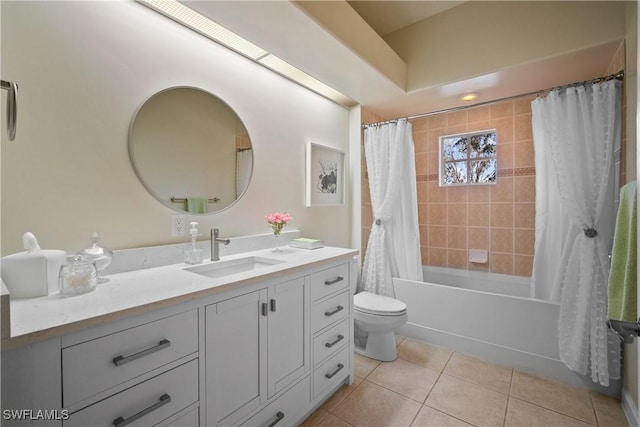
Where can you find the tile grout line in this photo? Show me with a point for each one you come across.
(556, 411)
(438, 379)
(511, 393)
(506, 409)
(593, 408)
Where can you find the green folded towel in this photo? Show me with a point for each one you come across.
(197, 204)
(623, 276)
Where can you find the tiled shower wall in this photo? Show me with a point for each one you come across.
(498, 217)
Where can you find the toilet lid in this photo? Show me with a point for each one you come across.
(378, 304)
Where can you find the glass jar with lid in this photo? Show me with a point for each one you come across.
(101, 256)
(78, 275)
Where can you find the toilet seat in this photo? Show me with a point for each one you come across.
(379, 305)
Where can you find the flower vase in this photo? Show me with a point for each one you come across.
(277, 237)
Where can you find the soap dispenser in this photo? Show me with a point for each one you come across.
(193, 255)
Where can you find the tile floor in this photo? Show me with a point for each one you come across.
(432, 386)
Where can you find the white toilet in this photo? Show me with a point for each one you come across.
(376, 318)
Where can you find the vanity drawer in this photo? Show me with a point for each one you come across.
(328, 281)
(97, 365)
(326, 312)
(330, 341)
(332, 372)
(147, 403)
(190, 419)
(286, 409)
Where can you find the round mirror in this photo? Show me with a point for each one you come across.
(190, 150)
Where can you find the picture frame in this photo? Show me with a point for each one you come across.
(325, 176)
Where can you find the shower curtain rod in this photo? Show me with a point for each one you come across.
(618, 76)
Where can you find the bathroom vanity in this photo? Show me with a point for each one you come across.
(244, 342)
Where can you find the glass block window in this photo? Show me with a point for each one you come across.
(468, 158)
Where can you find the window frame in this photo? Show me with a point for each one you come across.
(468, 160)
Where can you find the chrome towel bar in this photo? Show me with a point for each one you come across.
(12, 107)
(182, 200)
(626, 330)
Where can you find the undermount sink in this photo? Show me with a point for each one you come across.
(233, 266)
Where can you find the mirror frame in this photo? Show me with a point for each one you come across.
(147, 187)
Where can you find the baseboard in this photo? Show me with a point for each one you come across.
(523, 361)
(630, 408)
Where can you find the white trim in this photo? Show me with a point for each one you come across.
(524, 361)
(629, 408)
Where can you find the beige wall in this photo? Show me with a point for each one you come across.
(481, 37)
(84, 68)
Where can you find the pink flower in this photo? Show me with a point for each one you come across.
(278, 218)
(278, 221)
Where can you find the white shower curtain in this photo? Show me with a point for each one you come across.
(575, 131)
(393, 249)
(244, 166)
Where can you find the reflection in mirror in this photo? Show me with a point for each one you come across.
(190, 150)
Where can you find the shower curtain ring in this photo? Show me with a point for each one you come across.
(590, 232)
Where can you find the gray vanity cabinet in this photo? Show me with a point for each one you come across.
(235, 346)
(257, 345)
(287, 344)
(264, 353)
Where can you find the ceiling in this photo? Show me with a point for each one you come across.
(386, 17)
(321, 53)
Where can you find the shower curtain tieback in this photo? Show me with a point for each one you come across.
(590, 232)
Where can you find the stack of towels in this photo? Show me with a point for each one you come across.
(623, 276)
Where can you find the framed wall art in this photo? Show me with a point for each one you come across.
(325, 176)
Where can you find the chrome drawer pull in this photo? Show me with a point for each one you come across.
(279, 417)
(338, 369)
(331, 313)
(331, 344)
(331, 282)
(121, 360)
(121, 422)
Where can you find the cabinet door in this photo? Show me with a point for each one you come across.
(31, 380)
(288, 346)
(235, 345)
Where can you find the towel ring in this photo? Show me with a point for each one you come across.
(12, 107)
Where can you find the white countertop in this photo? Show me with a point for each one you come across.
(140, 291)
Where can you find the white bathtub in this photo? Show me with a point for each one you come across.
(489, 316)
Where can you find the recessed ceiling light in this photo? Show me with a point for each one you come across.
(467, 97)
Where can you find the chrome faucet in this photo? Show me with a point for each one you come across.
(215, 241)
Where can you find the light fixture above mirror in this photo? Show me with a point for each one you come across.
(216, 32)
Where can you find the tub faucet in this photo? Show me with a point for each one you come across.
(215, 241)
